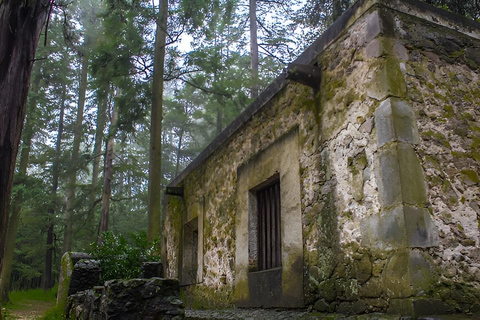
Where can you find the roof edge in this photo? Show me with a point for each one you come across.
(360, 7)
(306, 57)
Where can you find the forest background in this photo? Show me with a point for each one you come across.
(83, 161)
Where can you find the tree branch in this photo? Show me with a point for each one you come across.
(205, 89)
(270, 54)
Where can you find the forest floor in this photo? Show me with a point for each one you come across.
(28, 310)
(31, 304)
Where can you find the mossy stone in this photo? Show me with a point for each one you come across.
(327, 290)
(387, 79)
(397, 275)
(470, 175)
(321, 306)
(345, 308)
(373, 288)
(363, 269)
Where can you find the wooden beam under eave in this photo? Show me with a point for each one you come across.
(305, 74)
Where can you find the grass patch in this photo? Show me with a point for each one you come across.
(17, 298)
(33, 303)
(54, 314)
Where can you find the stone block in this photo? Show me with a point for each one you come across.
(428, 307)
(400, 176)
(388, 177)
(377, 303)
(411, 176)
(359, 307)
(385, 230)
(407, 273)
(351, 290)
(373, 27)
(386, 79)
(69, 259)
(314, 271)
(395, 121)
(400, 51)
(419, 227)
(403, 307)
(373, 288)
(328, 290)
(373, 49)
(345, 308)
(363, 269)
(396, 275)
(399, 227)
(321, 306)
(418, 307)
(85, 275)
(421, 272)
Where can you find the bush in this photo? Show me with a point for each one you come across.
(121, 259)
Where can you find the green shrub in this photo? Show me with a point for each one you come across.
(122, 259)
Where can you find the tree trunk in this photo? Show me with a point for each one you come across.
(72, 174)
(21, 23)
(219, 119)
(253, 48)
(179, 149)
(16, 212)
(13, 223)
(47, 274)
(101, 118)
(107, 175)
(155, 161)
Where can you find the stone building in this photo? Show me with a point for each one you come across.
(352, 183)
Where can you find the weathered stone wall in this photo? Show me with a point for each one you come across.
(389, 164)
(442, 73)
(293, 108)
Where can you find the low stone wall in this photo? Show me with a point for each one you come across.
(81, 297)
(154, 298)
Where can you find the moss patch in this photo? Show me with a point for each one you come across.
(472, 175)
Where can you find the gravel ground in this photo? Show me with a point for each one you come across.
(250, 314)
(272, 314)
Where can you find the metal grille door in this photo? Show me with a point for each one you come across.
(269, 235)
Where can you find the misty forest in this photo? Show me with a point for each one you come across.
(122, 95)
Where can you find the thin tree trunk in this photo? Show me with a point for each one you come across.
(72, 175)
(155, 161)
(101, 118)
(179, 149)
(219, 120)
(21, 23)
(253, 48)
(107, 175)
(47, 273)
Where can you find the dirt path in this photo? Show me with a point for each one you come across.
(29, 310)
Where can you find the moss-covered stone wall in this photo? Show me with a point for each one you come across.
(389, 169)
(442, 73)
